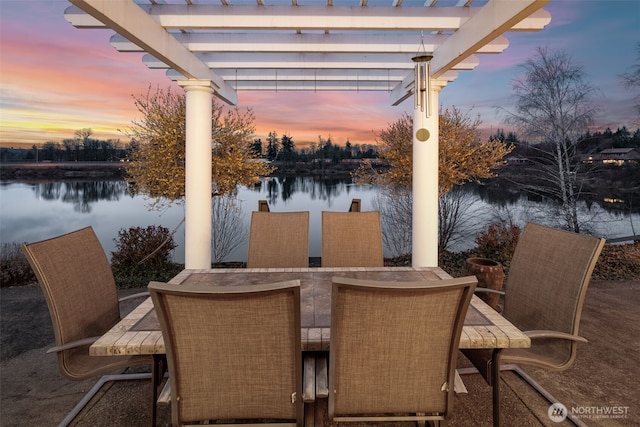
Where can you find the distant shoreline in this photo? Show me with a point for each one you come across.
(61, 170)
(115, 170)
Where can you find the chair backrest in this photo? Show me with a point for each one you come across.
(76, 278)
(546, 285)
(234, 353)
(278, 239)
(394, 345)
(263, 206)
(351, 239)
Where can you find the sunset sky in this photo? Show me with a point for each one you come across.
(56, 79)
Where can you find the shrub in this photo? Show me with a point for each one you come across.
(142, 255)
(619, 262)
(498, 242)
(14, 267)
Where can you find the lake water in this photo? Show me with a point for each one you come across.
(35, 211)
(31, 211)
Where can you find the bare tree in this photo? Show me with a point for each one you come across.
(83, 134)
(395, 207)
(631, 80)
(454, 216)
(553, 108)
(228, 228)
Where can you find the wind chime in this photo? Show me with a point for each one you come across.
(422, 87)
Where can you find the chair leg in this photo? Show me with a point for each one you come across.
(495, 386)
(96, 387)
(533, 383)
(492, 376)
(494, 382)
(158, 370)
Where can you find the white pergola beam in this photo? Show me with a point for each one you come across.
(303, 18)
(534, 22)
(310, 86)
(309, 74)
(129, 20)
(309, 18)
(310, 43)
(492, 20)
(402, 91)
(308, 61)
(308, 79)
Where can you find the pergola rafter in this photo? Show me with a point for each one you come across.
(307, 42)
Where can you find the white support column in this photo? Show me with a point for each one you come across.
(197, 207)
(425, 181)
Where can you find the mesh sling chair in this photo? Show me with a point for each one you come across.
(544, 295)
(351, 239)
(394, 348)
(234, 352)
(278, 239)
(76, 279)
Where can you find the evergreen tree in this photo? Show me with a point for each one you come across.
(273, 146)
(287, 148)
(257, 147)
(348, 148)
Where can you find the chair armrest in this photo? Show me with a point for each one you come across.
(72, 344)
(489, 291)
(132, 296)
(537, 334)
(165, 394)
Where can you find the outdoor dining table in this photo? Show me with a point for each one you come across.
(139, 332)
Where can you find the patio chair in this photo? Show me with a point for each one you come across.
(76, 279)
(394, 348)
(351, 239)
(544, 294)
(234, 353)
(278, 240)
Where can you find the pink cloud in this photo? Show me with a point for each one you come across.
(56, 79)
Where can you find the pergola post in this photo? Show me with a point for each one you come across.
(198, 177)
(425, 176)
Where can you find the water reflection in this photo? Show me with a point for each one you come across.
(277, 189)
(81, 194)
(32, 211)
(614, 200)
(283, 188)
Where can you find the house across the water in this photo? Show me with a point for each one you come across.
(615, 156)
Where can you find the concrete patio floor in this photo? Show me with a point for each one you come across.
(604, 376)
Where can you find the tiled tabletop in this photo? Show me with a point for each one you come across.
(139, 332)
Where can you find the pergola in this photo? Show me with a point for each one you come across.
(219, 47)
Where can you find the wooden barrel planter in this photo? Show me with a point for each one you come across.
(490, 274)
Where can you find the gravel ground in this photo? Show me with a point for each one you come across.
(605, 374)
